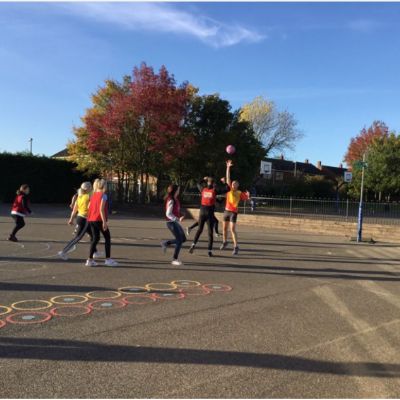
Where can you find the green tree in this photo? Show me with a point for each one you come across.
(382, 176)
(214, 126)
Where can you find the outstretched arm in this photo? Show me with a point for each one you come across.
(229, 164)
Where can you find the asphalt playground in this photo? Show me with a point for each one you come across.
(294, 315)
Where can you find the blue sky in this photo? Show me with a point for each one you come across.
(334, 65)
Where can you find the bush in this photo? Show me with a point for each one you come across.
(50, 180)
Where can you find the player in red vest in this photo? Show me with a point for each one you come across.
(173, 216)
(97, 218)
(20, 209)
(208, 199)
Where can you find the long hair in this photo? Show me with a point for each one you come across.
(171, 191)
(22, 189)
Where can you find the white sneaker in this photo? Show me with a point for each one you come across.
(110, 262)
(164, 246)
(176, 263)
(98, 254)
(188, 231)
(90, 262)
(62, 255)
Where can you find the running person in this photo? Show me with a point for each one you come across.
(207, 209)
(19, 210)
(173, 216)
(80, 211)
(97, 218)
(233, 198)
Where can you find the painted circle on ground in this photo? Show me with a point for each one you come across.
(5, 310)
(69, 299)
(169, 296)
(133, 290)
(217, 287)
(29, 305)
(107, 304)
(139, 299)
(161, 286)
(196, 291)
(185, 283)
(2, 324)
(103, 294)
(70, 311)
(28, 317)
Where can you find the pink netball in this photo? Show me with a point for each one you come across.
(230, 149)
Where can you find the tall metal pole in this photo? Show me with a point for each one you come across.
(30, 145)
(360, 207)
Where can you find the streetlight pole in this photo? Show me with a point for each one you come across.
(30, 145)
(360, 207)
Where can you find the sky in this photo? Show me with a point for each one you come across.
(335, 66)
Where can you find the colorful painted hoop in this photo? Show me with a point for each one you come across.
(7, 310)
(93, 295)
(95, 304)
(217, 287)
(19, 308)
(139, 299)
(196, 291)
(135, 290)
(57, 311)
(161, 287)
(185, 283)
(46, 317)
(169, 296)
(55, 299)
(2, 324)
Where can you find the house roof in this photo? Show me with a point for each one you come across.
(61, 154)
(307, 168)
(286, 165)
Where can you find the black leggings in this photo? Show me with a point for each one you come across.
(19, 224)
(83, 227)
(206, 215)
(216, 224)
(97, 227)
(179, 235)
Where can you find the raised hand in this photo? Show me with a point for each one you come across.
(229, 163)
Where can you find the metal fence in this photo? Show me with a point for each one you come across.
(343, 210)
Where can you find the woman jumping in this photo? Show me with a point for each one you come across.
(233, 198)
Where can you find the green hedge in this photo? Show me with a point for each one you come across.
(50, 180)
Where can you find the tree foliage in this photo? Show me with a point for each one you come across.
(360, 143)
(276, 130)
(382, 174)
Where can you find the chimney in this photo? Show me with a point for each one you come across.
(319, 165)
(282, 157)
(340, 165)
(306, 161)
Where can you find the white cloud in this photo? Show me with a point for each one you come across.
(164, 18)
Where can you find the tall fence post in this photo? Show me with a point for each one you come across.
(347, 209)
(244, 211)
(290, 205)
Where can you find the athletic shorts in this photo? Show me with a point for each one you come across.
(230, 216)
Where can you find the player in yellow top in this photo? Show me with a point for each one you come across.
(233, 198)
(80, 210)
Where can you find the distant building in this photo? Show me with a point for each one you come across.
(284, 170)
(62, 155)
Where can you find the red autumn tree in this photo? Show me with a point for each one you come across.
(359, 144)
(162, 106)
(140, 127)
